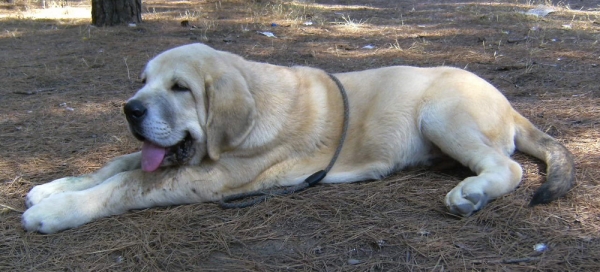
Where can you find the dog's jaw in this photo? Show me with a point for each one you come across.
(154, 156)
(181, 153)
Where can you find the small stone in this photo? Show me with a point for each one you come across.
(541, 247)
(353, 261)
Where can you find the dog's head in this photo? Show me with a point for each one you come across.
(195, 102)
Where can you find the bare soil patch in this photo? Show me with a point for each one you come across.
(63, 82)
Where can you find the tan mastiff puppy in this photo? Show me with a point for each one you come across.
(214, 124)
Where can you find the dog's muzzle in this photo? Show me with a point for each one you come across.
(135, 113)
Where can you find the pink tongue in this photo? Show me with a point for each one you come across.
(152, 156)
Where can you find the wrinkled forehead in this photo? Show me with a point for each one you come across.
(182, 67)
(164, 65)
(171, 66)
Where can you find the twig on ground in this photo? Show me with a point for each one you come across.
(5, 209)
(35, 91)
(508, 261)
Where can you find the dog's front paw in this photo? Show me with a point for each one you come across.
(55, 213)
(40, 192)
(466, 198)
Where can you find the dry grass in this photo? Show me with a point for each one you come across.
(63, 82)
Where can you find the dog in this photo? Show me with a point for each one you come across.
(214, 125)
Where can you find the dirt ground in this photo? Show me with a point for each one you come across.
(63, 83)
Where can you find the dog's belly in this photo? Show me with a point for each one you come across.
(384, 154)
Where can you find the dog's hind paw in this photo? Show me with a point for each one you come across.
(464, 201)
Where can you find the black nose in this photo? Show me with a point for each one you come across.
(134, 111)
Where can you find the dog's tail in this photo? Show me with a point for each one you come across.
(561, 166)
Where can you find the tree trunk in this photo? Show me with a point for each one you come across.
(116, 12)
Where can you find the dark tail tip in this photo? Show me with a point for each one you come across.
(561, 173)
(556, 187)
(543, 195)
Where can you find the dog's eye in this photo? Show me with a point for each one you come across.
(179, 88)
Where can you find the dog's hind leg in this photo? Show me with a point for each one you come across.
(497, 175)
(469, 143)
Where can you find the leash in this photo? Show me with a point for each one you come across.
(229, 202)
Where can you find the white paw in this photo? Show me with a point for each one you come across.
(466, 198)
(40, 192)
(57, 212)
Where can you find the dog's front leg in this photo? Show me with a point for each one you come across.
(68, 184)
(125, 191)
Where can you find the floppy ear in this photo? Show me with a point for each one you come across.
(231, 113)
